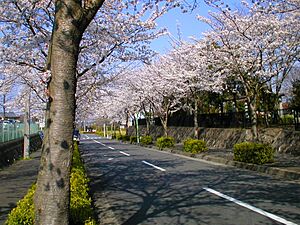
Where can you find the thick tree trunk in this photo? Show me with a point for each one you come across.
(52, 194)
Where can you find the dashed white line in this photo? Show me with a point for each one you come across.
(257, 210)
(111, 148)
(110, 159)
(156, 167)
(124, 153)
(99, 143)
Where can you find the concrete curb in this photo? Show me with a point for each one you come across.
(274, 171)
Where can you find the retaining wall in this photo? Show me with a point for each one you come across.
(285, 141)
(12, 150)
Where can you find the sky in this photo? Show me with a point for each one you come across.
(188, 23)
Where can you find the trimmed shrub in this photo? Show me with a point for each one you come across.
(287, 119)
(132, 139)
(23, 213)
(194, 146)
(125, 138)
(255, 153)
(100, 133)
(146, 140)
(165, 142)
(119, 136)
(80, 202)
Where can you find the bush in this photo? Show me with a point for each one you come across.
(194, 146)
(80, 202)
(125, 138)
(165, 142)
(23, 213)
(132, 139)
(146, 140)
(119, 136)
(100, 133)
(287, 119)
(255, 153)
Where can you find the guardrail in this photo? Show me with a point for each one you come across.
(12, 131)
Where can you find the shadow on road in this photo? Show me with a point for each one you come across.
(137, 194)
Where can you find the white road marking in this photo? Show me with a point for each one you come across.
(257, 210)
(111, 148)
(156, 167)
(110, 159)
(99, 143)
(124, 153)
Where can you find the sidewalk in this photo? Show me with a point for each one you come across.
(285, 165)
(15, 181)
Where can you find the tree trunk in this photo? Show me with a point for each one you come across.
(196, 125)
(52, 194)
(253, 116)
(164, 122)
(4, 107)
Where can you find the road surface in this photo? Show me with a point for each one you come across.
(136, 185)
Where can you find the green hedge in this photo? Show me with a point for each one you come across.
(23, 213)
(80, 202)
(100, 133)
(146, 140)
(194, 146)
(165, 142)
(132, 139)
(255, 153)
(121, 137)
(125, 138)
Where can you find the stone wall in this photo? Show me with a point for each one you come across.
(13, 150)
(285, 141)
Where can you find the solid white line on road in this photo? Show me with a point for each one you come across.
(111, 148)
(156, 167)
(257, 210)
(124, 153)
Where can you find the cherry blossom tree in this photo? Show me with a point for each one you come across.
(42, 36)
(258, 48)
(195, 71)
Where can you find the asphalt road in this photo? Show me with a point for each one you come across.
(135, 185)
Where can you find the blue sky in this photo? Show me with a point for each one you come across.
(188, 23)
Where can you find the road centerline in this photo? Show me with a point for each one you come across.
(99, 142)
(257, 210)
(124, 153)
(156, 167)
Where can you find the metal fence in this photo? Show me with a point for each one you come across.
(279, 118)
(11, 131)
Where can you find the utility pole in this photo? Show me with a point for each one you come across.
(27, 128)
